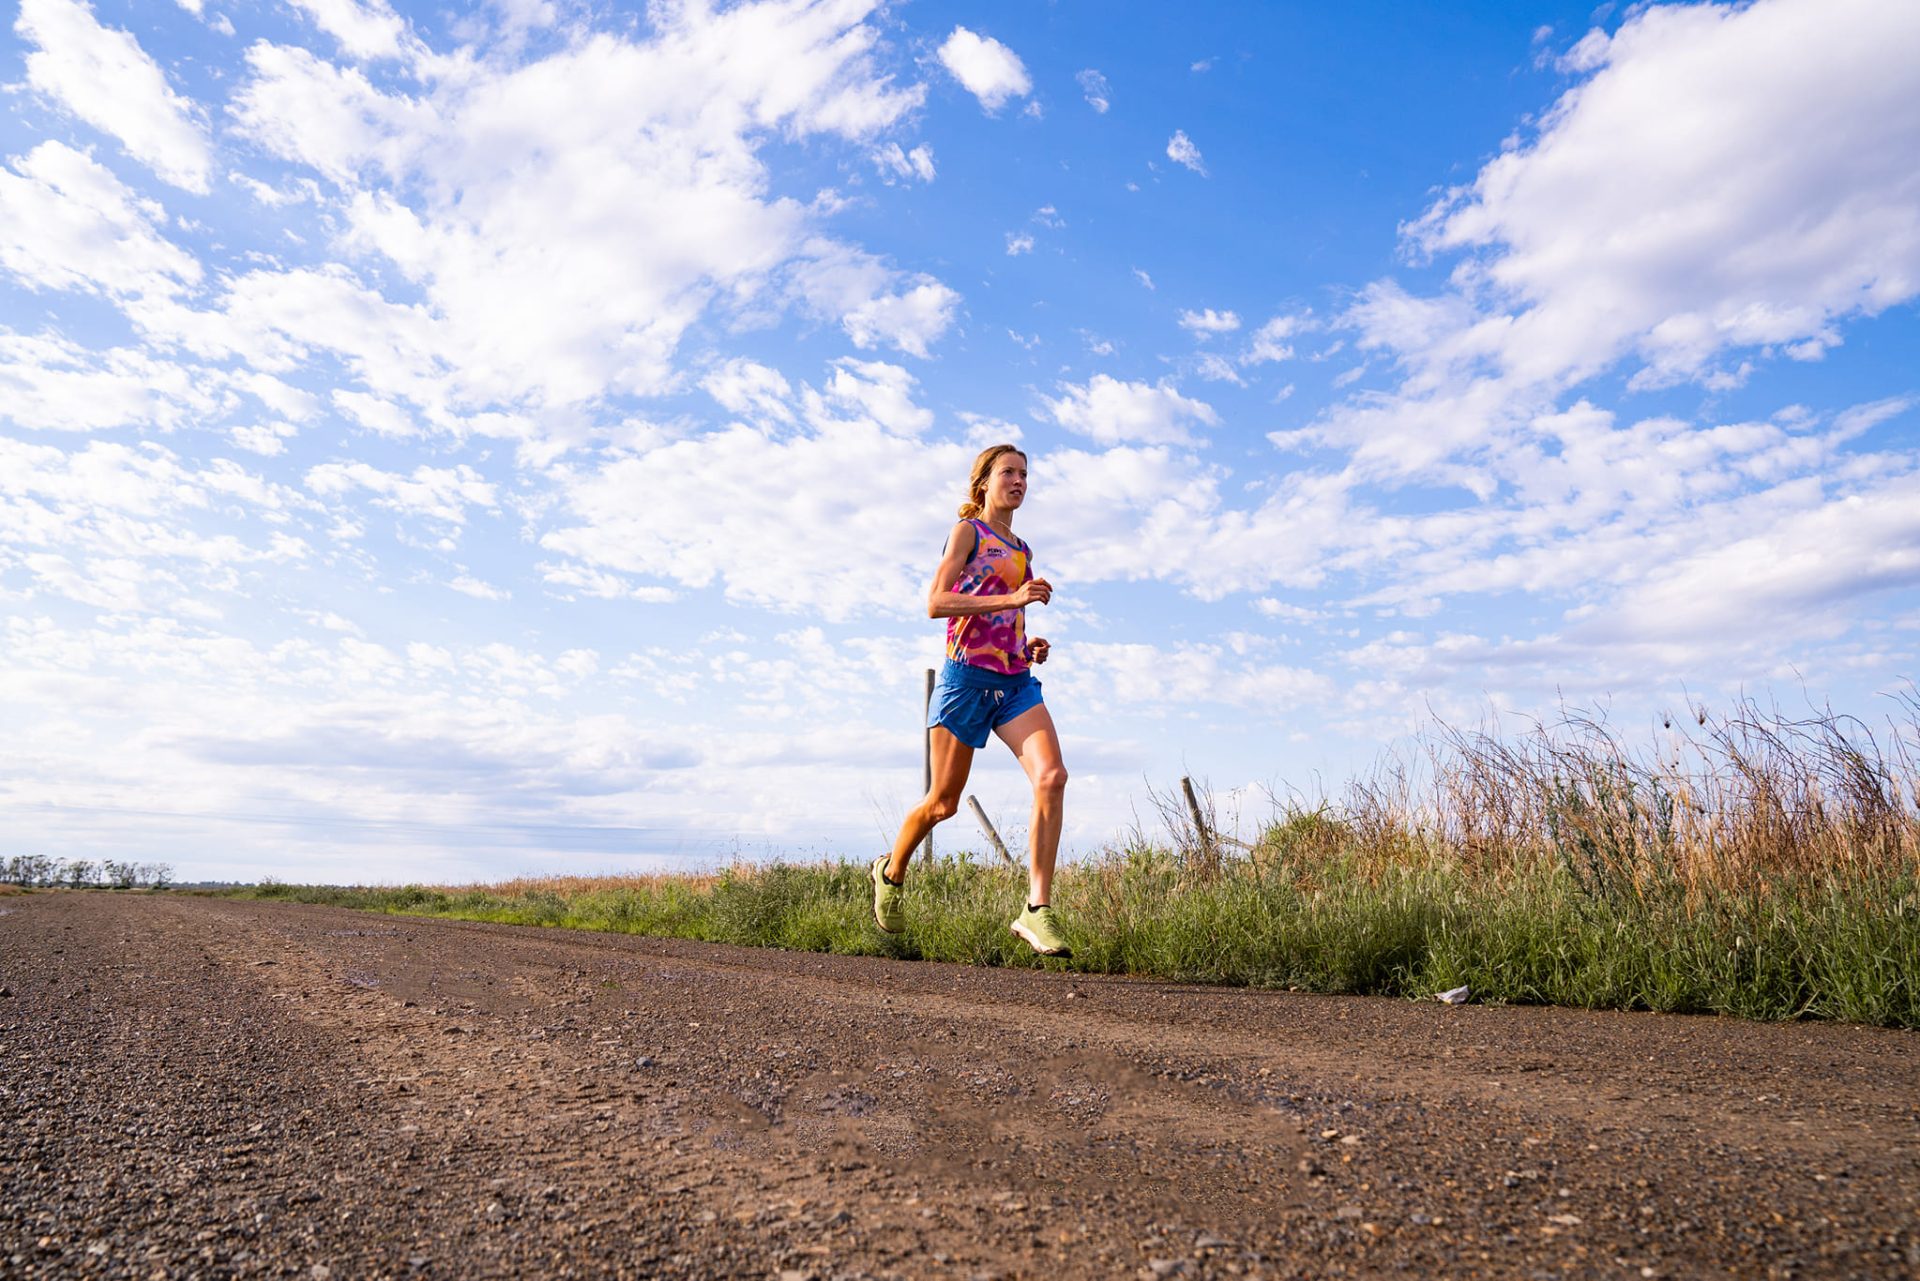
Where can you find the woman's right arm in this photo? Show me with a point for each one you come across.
(943, 603)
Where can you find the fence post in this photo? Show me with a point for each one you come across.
(926, 758)
(1208, 854)
(986, 825)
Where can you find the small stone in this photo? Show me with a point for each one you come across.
(1347, 1212)
(795, 1274)
(495, 1212)
(644, 1061)
(1166, 1267)
(1211, 1241)
(418, 1260)
(1420, 1220)
(1351, 1140)
(320, 1272)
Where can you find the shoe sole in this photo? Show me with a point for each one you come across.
(1034, 943)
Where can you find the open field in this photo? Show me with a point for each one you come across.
(227, 1088)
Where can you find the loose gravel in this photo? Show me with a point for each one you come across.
(211, 1088)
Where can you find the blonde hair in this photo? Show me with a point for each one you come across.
(977, 478)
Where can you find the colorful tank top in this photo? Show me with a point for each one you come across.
(995, 642)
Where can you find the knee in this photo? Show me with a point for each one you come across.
(1051, 780)
(942, 808)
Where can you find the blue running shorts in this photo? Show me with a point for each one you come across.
(972, 702)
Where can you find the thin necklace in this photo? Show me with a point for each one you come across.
(1006, 533)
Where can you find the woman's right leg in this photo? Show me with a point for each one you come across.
(952, 760)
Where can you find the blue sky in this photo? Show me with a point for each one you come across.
(456, 443)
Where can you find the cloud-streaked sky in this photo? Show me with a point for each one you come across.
(454, 442)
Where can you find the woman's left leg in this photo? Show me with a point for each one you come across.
(1033, 739)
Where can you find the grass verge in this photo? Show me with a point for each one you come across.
(1752, 865)
(1835, 949)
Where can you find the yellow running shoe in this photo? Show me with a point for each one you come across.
(1041, 930)
(886, 899)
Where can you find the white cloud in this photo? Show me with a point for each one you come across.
(1203, 324)
(123, 529)
(468, 585)
(102, 75)
(1724, 178)
(370, 30)
(435, 493)
(67, 223)
(1019, 243)
(1094, 86)
(751, 389)
(1143, 277)
(52, 384)
(986, 68)
(376, 415)
(1111, 412)
(853, 286)
(1105, 676)
(896, 163)
(563, 222)
(1180, 149)
(755, 512)
(881, 392)
(1270, 340)
(1216, 368)
(266, 439)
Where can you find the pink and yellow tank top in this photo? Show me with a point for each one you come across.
(995, 642)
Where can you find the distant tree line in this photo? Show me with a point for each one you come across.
(40, 871)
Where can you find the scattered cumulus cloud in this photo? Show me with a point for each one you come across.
(1094, 86)
(1180, 150)
(368, 30)
(1270, 341)
(895, 163)
(436, 493)
(1111, 411)
(986, 68)
(1204, 324)
(103, 76)
(67, 223)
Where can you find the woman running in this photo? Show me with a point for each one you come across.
(982, 588)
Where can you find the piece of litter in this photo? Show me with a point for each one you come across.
(1452, 996)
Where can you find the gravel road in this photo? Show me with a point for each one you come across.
(208, 1088)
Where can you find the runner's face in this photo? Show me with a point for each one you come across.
(1007, 483)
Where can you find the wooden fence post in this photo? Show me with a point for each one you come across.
(986, 825)
(1208, 854)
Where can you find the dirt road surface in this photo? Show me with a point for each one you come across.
(206, 1088)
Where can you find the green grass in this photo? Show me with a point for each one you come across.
(1829, 948)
